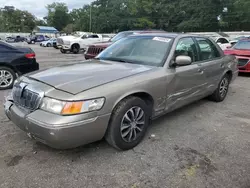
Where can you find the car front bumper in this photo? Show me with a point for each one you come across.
(59, 136)
(89, 56)
(66, 47)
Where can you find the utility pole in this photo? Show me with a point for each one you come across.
(90, 18)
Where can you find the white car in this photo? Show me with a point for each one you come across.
(48, 43)
(75, 44)
(223, 42)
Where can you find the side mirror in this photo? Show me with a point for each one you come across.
(183, 60)
(219, 43)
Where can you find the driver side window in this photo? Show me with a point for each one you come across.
(186, 47)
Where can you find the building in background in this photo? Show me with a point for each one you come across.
(45, 30)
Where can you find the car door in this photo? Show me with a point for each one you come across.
(212, 62)
(188, 81)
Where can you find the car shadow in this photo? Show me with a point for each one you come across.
(180, 111)
(244, 74)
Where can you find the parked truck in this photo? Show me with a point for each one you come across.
(77, 43)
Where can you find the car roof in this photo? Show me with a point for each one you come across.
(171, 35)
(144, 31)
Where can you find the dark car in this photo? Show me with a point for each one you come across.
(94, 49)
(20, 39)
(37, 38)
(15, 61)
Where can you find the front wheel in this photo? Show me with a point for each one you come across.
(75, 48)
(128, 124)
(221, 92)
(7, 78)
(48, 45)
(63, 51)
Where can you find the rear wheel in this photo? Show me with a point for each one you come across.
(48, 45)
(7, 78)
(75, 48)
(128, 123)
(221, 92)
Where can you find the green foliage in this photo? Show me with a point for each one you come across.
(58, 15)
(16, 21)
(118, 15)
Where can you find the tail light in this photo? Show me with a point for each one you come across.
(30, 56)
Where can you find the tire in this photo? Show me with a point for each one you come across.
(118, 124)
(221, 92)
(75, 48)
(7, 78)
(63, 51)
(48, 45)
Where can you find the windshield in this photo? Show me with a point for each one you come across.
(242, 45)
(146, 50)
(120, 36)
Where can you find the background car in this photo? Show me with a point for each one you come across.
(81, 43)
(15, 61)
(10, 39)
(49, 43)
(20, 39)
(242, 52)
(94, 49)
(235, 40)
(37, 38)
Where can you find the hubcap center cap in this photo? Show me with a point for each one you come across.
(133, 125)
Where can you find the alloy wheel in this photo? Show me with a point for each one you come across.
(132, 124)
(6, 78)
(224, 87)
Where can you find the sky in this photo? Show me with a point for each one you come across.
(37, 7)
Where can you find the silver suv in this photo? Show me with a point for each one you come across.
(136, 79)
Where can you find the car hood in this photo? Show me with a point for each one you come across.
(67, 37)
(237, 52)
(75, 78)
(101, 44)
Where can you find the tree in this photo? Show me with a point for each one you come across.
(15, 20)
(58, 15)
(69, 29)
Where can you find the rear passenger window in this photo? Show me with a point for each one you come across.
(222, 41)
(186, 46)
(94, 36)
(207, 49)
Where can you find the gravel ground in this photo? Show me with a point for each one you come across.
(203, 145)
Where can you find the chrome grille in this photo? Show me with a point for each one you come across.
(242, 62)
(94, 50)
(59, 41)
(25, 98)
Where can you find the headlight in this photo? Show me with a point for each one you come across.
(70, 108)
